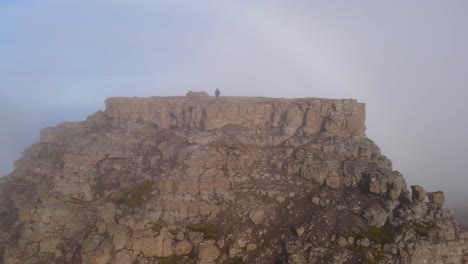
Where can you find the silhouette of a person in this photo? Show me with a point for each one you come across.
(217, 93)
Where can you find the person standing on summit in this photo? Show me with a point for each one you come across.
(217, 93)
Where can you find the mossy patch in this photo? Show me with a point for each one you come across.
(135, 196)
(169, 260)
(174, 231)
(369, 261)
(208, 229)
(354, 234)
(157, 226)
(381, 235)
(357, 249)
(422, 229)
(377, 257)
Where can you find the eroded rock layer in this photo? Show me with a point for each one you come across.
(229, 180)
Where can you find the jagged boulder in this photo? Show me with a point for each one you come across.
(257, 216)
(183, 248)
(436, 197)
(418, 194)
(208, 253)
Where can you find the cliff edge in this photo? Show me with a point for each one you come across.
(231, 180)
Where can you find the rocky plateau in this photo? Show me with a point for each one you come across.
(197, 179)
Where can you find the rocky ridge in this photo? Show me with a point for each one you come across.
(232, 180)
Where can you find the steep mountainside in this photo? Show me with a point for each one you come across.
(234, 180)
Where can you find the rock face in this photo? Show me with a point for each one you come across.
(418, 193)
(234, 180)
(334, 117)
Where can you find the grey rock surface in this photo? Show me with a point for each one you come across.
(235, 180)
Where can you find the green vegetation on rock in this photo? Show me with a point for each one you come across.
(209, 230)
(135, 196)
(377, 257)
(381, 235)
(169, 260)
(354, 234)
(357, 249)
(157, 226)
(369, 261)
(174, 231)
(422, 229)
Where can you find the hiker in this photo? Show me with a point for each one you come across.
(217, 93)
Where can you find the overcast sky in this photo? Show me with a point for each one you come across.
(407, 60)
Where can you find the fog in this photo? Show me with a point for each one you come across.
(407, 60)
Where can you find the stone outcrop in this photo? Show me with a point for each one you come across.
(418, 194)
(197, 94)
(336, 117)
(436, 197)
(231, 180)
(208, 253)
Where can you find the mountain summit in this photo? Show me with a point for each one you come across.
(197, 179)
